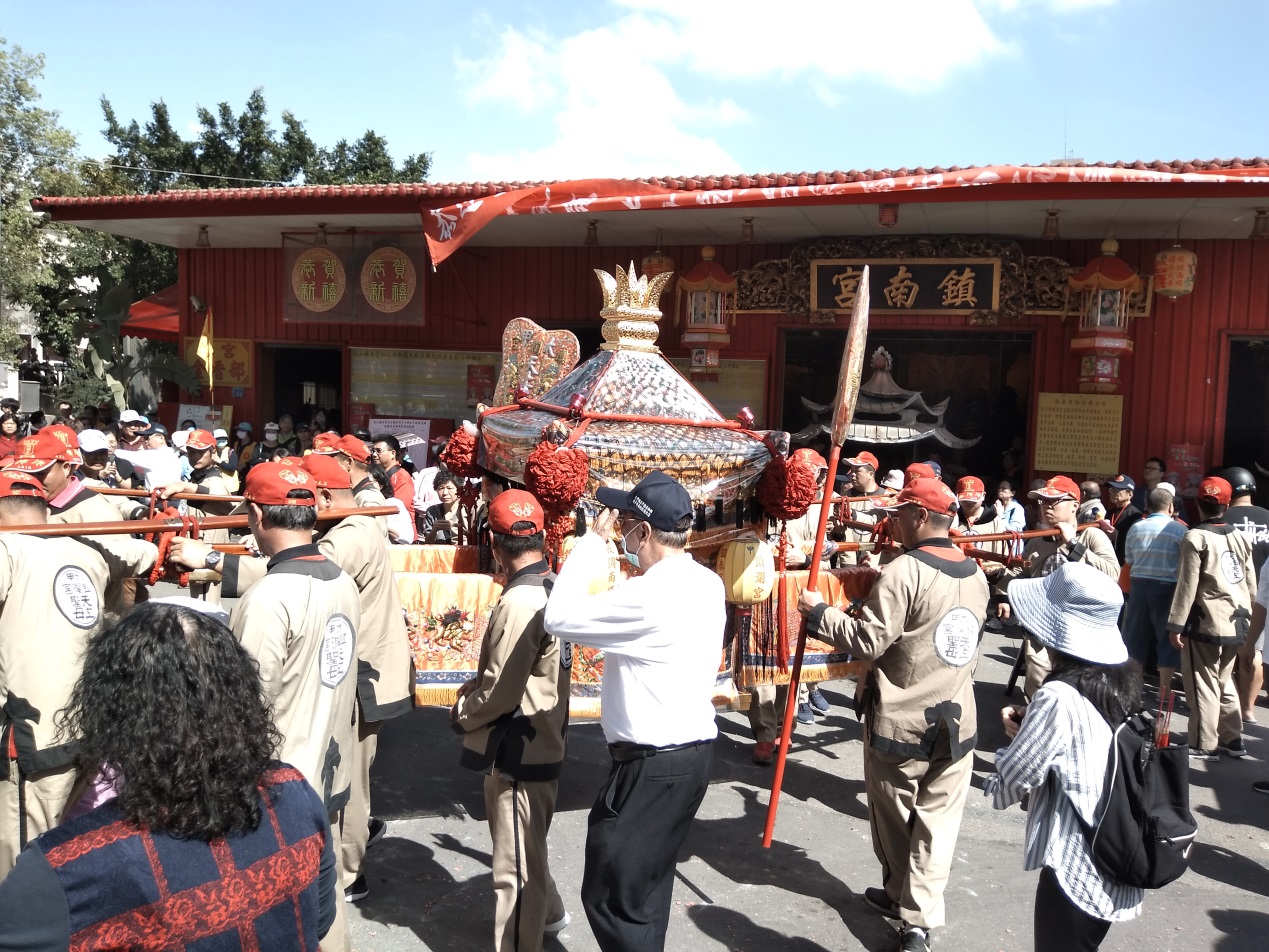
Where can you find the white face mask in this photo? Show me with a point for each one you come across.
(631, 557)
(242, 434)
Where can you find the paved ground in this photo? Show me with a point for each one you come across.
(431, 887)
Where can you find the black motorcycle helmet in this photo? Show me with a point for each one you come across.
(1240, 480)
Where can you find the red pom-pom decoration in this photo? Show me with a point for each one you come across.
(557, 477)
(459, 455)
(787, 488)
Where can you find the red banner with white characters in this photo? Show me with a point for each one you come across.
(448, 229)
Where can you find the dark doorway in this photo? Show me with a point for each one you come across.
(303, 379)
(985, 377)
(1246, 424)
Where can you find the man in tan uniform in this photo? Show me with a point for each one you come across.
(920, 628)
(1210, 618)
(385, 676)
(52, 456)
(513, 717)
(1058, 500)
(300, 622)
(51, 593)
(355, 457)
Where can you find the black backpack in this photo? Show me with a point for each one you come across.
(1145, 830)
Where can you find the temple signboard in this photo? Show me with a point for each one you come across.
(907, 285)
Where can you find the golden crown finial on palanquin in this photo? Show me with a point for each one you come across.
(630, 310)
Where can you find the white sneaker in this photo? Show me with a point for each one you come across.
(558, 926)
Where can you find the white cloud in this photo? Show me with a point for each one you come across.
(610, 101)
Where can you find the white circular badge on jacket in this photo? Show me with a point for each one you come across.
(339, 648)
(956, 637)
(1231, 568)
(76, 596)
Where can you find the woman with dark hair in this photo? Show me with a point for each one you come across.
(204, 837)
(439, 523)
(1061, 747)
(287, 437)
(9, 428)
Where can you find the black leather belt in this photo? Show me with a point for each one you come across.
(624, 751)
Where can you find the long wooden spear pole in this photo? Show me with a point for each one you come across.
(142, 494)
(848, 380)
(135, 526)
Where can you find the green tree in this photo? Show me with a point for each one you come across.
(37, 157)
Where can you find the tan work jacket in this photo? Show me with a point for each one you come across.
(1044, 555)
(385, 667)
(514, 721)
(300, 623)
(51, 598)
(1216, 585)
(126, 557)
(920, 627)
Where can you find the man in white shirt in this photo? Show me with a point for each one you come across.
(662, 634)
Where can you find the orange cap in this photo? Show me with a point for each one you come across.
(929, 493)
(327, 471)
(352, 447)
(269, 483)
(1056, 488)
(970, 487)
(809, 457)
(512, 506)
(326, 443)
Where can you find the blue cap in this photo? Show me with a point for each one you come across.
(658, 499)
(938, 470)
(1122, 482)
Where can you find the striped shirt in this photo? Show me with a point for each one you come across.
(1154, 546)
(1060, 757)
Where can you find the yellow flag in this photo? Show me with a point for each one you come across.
(205, 349)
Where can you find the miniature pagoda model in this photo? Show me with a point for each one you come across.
(887, 413)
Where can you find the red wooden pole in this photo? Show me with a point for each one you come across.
(795, 676)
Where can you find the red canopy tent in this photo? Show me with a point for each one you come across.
(156, 317)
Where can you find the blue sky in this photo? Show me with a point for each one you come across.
(508, 90)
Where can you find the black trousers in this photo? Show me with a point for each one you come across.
(1060, 925)
(638, 823)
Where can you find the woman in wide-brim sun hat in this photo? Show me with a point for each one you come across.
(1059, 754)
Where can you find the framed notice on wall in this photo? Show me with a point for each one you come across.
(1078, 432)
(419, 383)
(740, 383)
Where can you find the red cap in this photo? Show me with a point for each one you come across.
(929, 493)
(864, 459)
(809, 457)
(200, 440)
(512, 506)
(327, 471)
(326, 443)
(1217, 490)
(17, 486)
(268, 484)
(970, 487)
(37, 453)
(352, 447)
(1056, 488)
(918, 471)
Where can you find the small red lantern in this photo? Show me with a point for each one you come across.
(709, 295)
(1105, 285)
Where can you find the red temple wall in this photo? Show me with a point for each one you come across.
(1173, 384)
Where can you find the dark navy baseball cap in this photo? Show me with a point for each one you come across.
(1122, 482)
(658, 499)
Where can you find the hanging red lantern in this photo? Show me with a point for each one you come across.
(1105, 286)
(708, 295)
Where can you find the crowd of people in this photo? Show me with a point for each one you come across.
(192, 773)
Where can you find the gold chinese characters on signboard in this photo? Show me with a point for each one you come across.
(908, 285)
(232, 360)
(388, 279)
(318, 279)
(1078, 432)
